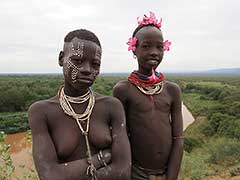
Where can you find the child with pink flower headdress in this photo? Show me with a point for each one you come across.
(153, 107)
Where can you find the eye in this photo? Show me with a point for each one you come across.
(96, 64)
(145, 46)
(76, 60)
(160, 47)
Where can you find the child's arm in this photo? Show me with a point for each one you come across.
(177, 133)
(44, 152)
(120, 166)
(120, 91)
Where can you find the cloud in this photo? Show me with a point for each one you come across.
(205, 34)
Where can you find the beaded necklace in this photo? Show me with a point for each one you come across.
(149, 85)
(151, 90)
(85, 116)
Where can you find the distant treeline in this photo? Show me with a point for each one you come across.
(18, 92)
(211, 143)
(218, 99)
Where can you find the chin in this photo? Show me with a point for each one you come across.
(150, 67)
(82, 84)
(155, 66)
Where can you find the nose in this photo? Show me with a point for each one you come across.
(154, 52)
(85, 68)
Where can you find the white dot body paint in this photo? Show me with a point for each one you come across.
(106, 155)
(114, 136)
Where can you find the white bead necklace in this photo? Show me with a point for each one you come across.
(85, 116)
(152, 90)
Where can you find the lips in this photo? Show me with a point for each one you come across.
(153, 61)
(84, 80)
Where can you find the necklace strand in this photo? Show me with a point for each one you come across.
(85, 116)
(151, 90)
(78, 99)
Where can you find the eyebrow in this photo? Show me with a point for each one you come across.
(147, 41)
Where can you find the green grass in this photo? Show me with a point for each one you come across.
(13, 122)
(198, 105)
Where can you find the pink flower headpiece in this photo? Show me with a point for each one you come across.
(132, 44)
(150, 20)
(145, 21)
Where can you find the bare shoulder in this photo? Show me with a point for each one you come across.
(121, 90)
(108, 100)
(38, 110)
(40, 106)
(173, 88)
(121, 86)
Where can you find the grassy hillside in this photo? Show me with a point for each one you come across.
(212, 145)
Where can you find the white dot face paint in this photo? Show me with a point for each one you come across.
(70, 67)
(74, 74)
(77, 47)
(98, 53)
(67, 67)
(77, 53)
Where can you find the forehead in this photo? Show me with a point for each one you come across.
(81, 44)
(149, 33)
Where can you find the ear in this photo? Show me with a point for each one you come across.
(60, 58)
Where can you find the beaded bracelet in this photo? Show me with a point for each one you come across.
(100, 158)
(178, 137)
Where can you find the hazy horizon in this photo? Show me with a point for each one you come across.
(204, 34)
(209, 71)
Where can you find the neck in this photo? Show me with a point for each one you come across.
(146, 72)
(69, 90)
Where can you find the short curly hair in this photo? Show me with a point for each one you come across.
(82, 34)
(142, 26)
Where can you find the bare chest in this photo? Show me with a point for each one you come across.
(149, 114)
(70, 143)
(142, 103)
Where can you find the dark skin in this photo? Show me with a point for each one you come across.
(59, 148)
(153, 122)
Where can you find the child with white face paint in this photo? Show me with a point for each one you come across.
(75, 56)
(77, 134)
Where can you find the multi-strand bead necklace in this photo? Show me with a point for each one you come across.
(81, 118)
(152, 90)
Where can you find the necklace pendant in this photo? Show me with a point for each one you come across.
(85, 133)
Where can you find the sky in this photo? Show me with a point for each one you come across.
(205, 34)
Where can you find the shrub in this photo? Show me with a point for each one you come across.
(223, 151)
(194, 166)
(235, 171)
(191, 143)
(217, 123)
(14, 122)
(6, 165)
